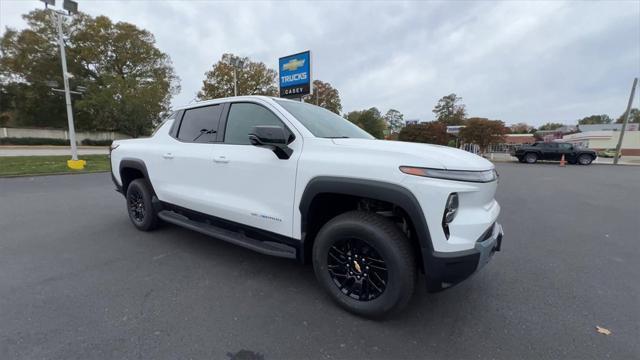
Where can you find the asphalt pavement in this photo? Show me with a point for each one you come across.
(77, 281)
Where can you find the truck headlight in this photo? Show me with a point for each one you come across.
(450, 211)
(482, 176)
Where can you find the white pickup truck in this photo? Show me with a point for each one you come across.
(293, 180)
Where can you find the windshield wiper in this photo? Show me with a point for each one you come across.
(335, 137)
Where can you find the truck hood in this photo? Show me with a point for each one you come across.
(424, 155)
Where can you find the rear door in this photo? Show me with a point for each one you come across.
(550, 151)
(186, 164)
(253, 186)
(565, 149)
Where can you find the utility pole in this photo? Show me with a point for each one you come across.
(625, 122)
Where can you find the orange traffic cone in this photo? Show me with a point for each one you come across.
(562, 161)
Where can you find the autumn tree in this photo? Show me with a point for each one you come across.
(369, 120)
(550, 126)
(324, 95)
(434, 132)
(129, 81)
(520, 128)
(595, 119)
(253, 78)
(483, 132)
(634, 116)
(450, 111)
(394, 120)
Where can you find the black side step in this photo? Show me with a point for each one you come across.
(263, 247)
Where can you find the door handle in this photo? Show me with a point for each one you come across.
(221, 159)
(168, 156)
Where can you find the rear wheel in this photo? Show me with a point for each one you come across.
(139, 205)
(585, 159)
(365, 263)
(531, 158)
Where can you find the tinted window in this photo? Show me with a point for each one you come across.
(323, 123)
(200, 124)
(241, 120)
(565, 146)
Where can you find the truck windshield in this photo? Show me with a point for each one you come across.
(323, 123)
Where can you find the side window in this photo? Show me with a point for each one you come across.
(172, 116)
(565, 146)
(200, 124)
(241, 120)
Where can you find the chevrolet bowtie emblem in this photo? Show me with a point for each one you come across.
(293, 64)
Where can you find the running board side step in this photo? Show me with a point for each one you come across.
(263, 247)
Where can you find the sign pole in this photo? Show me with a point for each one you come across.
(626, 121)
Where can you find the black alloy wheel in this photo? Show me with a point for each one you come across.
(140, 207)
(357, 269)
(365, 263)
(135, 201)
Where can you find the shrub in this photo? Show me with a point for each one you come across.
(90, 142)
(32, 141)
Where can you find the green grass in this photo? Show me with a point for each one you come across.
(37, 165)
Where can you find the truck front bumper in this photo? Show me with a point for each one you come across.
(444, 270)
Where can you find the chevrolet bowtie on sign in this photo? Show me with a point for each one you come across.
(295, 75)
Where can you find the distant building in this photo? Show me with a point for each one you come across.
(607, 127)
(411, 121)
(519, 139)
(556, 134)
(607, 139)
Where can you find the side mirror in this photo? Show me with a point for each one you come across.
(272, 137)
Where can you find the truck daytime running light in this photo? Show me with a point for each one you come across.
(482, 176)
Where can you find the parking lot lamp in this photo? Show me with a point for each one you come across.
(235, 62)
(72, 8)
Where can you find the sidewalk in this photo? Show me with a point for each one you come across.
(18, 150)
(625, 160)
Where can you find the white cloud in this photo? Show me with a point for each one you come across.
(515, 61)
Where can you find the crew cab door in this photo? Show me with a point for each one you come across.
(183, 167)
(566, 150)
(550, 151)
(253, 186)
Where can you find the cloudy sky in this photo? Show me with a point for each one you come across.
(516, 61)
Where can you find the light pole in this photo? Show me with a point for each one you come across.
(625, 122)
(72, 8)
(235, 62)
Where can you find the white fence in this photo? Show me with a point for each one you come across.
(59, 134)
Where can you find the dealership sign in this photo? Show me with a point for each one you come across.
(295, 75)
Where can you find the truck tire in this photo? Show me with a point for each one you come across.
(139, 206)
(585, 159)
(531, 158)
(365, 263)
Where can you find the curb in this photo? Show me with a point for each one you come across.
(55, 174)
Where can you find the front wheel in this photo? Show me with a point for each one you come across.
(139, 206)
(365, 263)
(585, 159)
(531, 158)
